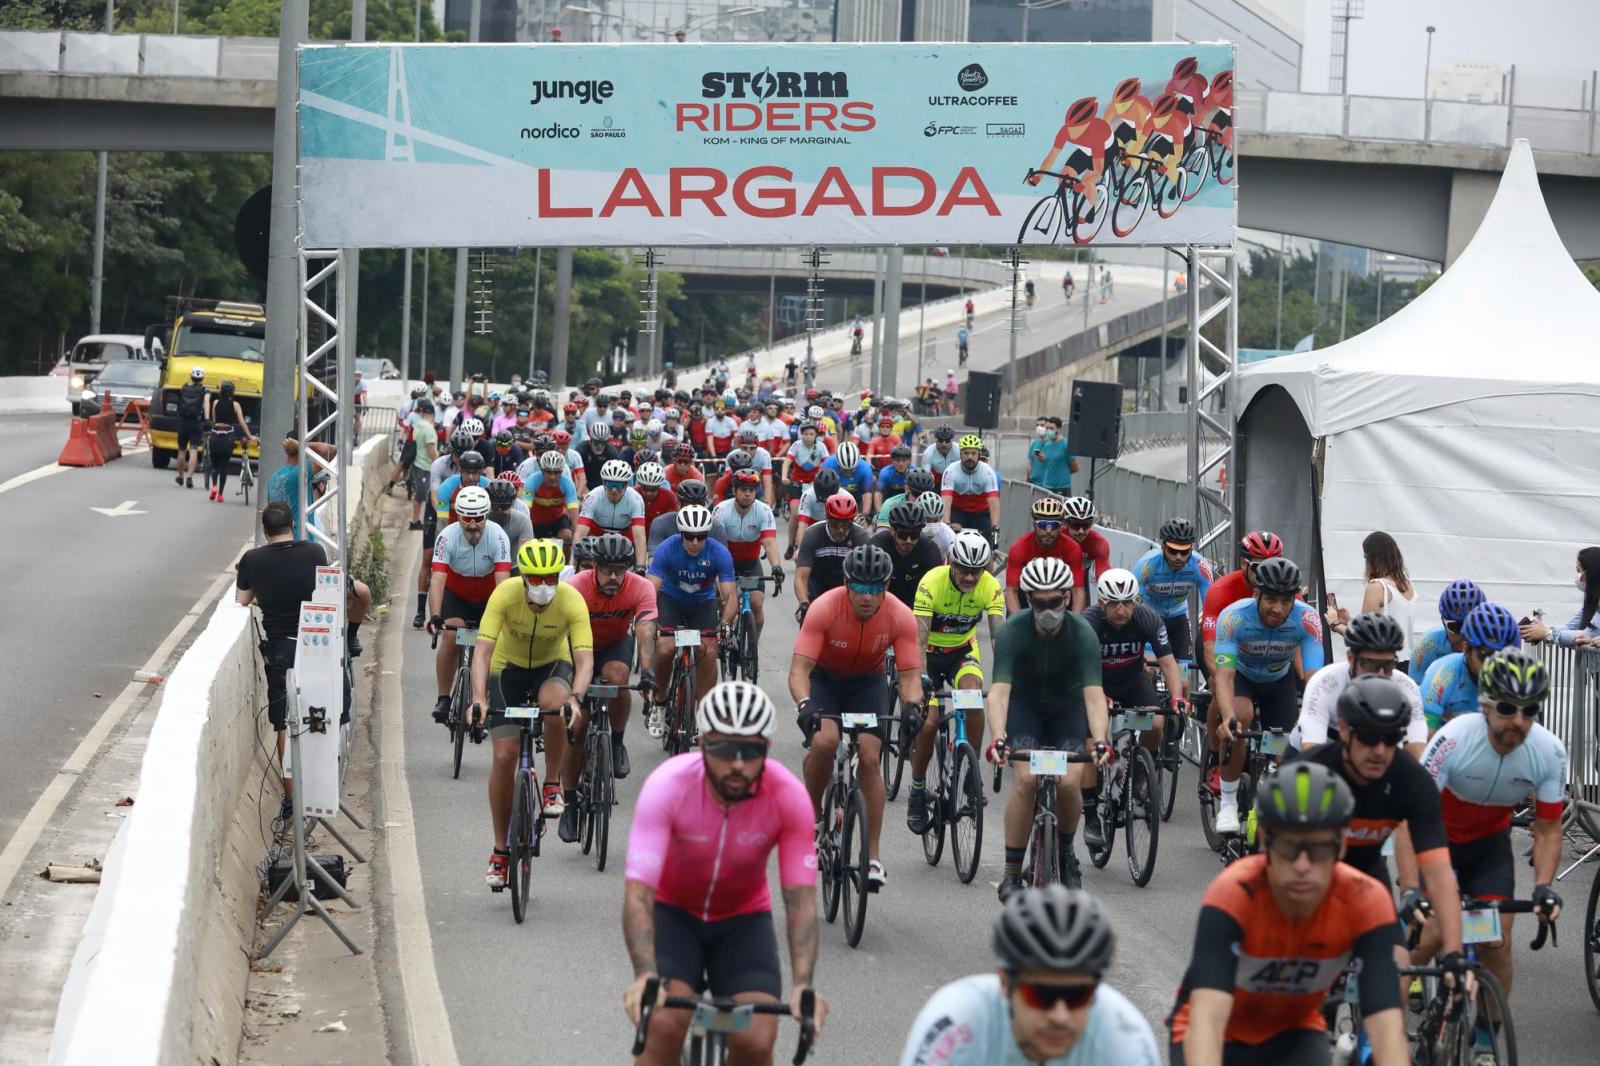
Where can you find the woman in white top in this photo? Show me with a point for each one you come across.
(1389, 590)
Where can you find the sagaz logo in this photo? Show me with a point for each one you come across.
(767, 84)
(972, 78)
(585, 92)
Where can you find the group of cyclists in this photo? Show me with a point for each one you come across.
(579, 537)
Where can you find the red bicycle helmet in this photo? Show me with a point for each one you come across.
(1186, 67)
(1165, 106)
(1260, 544)
(841, 506)
(1082, 111)
(746, 477)
(513, 477)
(1126, 90)
(1222, 83)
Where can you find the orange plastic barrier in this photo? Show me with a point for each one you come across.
(80, 448)
(105, 429)
(136, 416)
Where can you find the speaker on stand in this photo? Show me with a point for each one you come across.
(1094, 424)
(983, 400)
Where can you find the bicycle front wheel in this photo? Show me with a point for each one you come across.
(828, 858)
(523, 811)
(853, 846)
(1491, 1015)
(1042, 866)
(1167, 767)
(749, 654)
(966, 819)
(1044, 221)
(1141, 809)
(1591, 943)
(937, 791)
(458, 721)
(892, 757)
(600, 786)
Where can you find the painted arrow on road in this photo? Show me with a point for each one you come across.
(123, 508)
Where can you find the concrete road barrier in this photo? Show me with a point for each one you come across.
(33, 396)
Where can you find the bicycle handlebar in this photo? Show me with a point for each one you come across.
(448, 626)
(652, 987)
(1547, 929)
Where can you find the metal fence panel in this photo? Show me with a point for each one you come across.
(30, 51)
(99, 53)
(1387, 118)
(181, 57)
(1457, 123)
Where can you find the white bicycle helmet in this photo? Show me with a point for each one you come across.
(653, 428)
(814, 412)
(616, 470)
(650, 475)
(1046, 574)
(472, 502)
(971, 550)
(1078, 509)
(849, 455)
(749, 433)
(1117, 586)
(197, 374)
(694, 519)
(554, 462)
(932, 505)
(738, 708)
(472, 426)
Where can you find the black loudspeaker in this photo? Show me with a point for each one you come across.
(983, 400)
(252, 232)
(1094, 429)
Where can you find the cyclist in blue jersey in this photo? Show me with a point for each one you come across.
(693, 576)
(1255, 666)
(1167, 574)
(892, 478)
(943, 452)
(1046, 1002)
(1455, 603)
(470, 465)
(1450, 687)
(856, 475)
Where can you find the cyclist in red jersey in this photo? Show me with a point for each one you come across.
(683, 466)
(1088, 135)
(1044, 539)
(838, 667)
(1127, 111)
(1166, 135)
(1277, 928)
(1218, 110)
(1189, 86)
(650, 481)
(1080, 517)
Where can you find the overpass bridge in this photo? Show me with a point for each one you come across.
(1407, 176)
(847, 273)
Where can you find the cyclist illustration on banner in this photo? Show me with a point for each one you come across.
(1135, 155)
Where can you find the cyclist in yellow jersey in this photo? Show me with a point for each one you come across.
(949, 603)
(534, 644)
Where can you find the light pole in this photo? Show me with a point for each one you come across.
(1427, 64)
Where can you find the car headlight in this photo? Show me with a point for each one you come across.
(89, 396)
(77, 381)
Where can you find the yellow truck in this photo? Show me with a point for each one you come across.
(226, 339)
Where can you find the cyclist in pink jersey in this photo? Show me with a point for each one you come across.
(697, 911)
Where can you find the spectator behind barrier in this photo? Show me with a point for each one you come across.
(1583, 629)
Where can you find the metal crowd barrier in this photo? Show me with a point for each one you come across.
(1571, 713)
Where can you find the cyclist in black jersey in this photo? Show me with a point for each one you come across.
(911, 553)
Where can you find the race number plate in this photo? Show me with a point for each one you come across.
(710, 1019)
(859, 721)
(465, 638)
(1140, 720)
(1274, 743)
(1480, 926)
(1047, 763)
(749, 582)
(521, 713)
(967, 699)
(601, 692)
(686, 638)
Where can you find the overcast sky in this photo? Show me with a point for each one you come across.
(1554, 43)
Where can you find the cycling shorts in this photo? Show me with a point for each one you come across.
(1057, 724)
(704, 615)
(1079, 162)
(1158, 145)
(189, 433)
(518, 687)
(978, 520)
(452, 605)
(1178, 636)
(794, 490)
(1484, 867)
(734, 955)
(1130, 688)
(748, 568)
(408, 454)
(1297, 1047)
(554, 529)
(867, 694)
(620, 651)
(1277, 702)
(947, 666)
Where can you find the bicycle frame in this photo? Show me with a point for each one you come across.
(715, 1018)
(1045, 765)
(680, 732)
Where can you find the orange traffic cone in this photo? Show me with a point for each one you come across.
(80, 448)
(105, 429)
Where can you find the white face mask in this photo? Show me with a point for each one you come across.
(541, 595)
(1578, 580)
(1041, 431)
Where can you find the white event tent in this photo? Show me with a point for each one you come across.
(1467, 426)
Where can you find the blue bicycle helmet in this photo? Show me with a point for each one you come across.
(1492, 627)
(1458, 599)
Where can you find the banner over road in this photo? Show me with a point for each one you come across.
(565, 144)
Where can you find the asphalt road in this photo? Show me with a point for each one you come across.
(91, 595)
(552, 988)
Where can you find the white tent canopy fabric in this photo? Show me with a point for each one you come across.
(1467, 425)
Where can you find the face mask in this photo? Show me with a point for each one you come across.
(1577, 579)
(1051, 620)
(1041, 431)
(541, 594)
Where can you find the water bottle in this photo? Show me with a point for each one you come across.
(1343, 1048)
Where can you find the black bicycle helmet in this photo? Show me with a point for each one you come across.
(826, 483)
(906, 516)
(868, 564)
(1514, 676)
(1373, 632)
(583, 551)
(900, 451)
(544, 442)
(1177, 531)
(610, 550)
(919, 481)
(1304, 795)
(944, 434)
(1374, 702)
(691, 490)
(1054, 928)
(738, 459)
(1277, 577)
(470, 460)
(502, 494)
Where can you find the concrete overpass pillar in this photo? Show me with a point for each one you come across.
(562, 321)
(891, 320)
(1471, 192)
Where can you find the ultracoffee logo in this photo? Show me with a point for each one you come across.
(972, 77)
(784, 84)
(585, 92)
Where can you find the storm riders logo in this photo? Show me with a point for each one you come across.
(784, 101)
(785, 85)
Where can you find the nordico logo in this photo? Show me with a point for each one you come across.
(585, 92)
(785, 84)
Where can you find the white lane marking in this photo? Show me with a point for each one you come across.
(44, 808)
(427, 1020)
(33, 475)
(121, 509)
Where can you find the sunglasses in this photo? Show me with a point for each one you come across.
(1039, 604)
(1046, 996)
(1080, 527)
(734, 750)
(1317, 850)
(695, 537)
(541, 579)
(1046, 524)
(471, 521)
(1453, 627)
(908, 536)
(1376, 666)
(1373, 738)
(862, 588)
(1511, 710)
(616, 486)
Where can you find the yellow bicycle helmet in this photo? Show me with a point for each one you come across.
(539, 557)
(969, 440)
(1048, 507)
